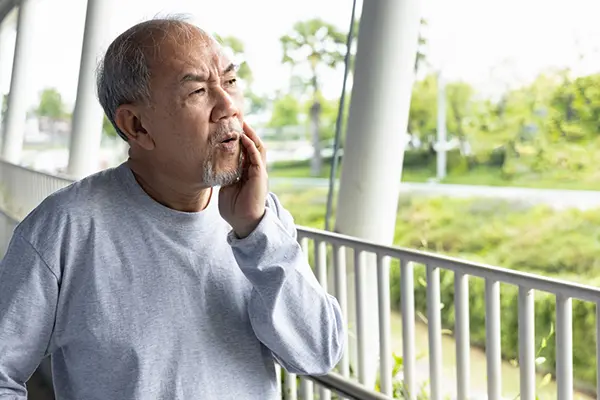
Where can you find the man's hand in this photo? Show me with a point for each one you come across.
(242, 204)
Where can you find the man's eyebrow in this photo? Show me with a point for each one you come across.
(230, 68)
(193, 77)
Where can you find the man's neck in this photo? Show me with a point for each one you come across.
(170, 192)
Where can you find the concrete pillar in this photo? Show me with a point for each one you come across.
(373, 154)
(8, 35)
(23, 67)
(4, 30)
(86, 132)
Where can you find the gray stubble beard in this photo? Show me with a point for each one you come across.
(214, 178)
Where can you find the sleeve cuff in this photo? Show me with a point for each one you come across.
(268, 226)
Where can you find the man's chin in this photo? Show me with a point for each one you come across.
(222, 177)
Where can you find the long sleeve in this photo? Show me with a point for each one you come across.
(289, 311)
(28, 297)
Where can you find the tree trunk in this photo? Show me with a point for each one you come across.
(316, 163)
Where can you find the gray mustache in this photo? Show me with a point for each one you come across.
(223, 130)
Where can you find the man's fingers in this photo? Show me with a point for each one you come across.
(254, 156)
(257, 142)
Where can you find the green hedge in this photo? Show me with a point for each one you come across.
(584, 322)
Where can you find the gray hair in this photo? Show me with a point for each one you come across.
(123, 75)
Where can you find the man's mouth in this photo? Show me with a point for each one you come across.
(230, 138)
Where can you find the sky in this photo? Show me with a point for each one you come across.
(489, 43)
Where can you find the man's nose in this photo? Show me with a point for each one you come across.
(224, 107)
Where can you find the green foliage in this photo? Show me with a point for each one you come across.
(328, 116)
(576, 108)
(51, 104)
(315, 43)
(4, 107)
(286, 111)
(108, 128)
(423, 107)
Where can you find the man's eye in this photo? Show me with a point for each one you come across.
(199, 91)
(231, 82)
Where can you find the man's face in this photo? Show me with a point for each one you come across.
(195, 113)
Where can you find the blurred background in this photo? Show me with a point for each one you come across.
(508, 91)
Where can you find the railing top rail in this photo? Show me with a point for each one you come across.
(518, 278)
(346, 387)
(63, 178)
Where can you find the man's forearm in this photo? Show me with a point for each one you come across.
(289, 311)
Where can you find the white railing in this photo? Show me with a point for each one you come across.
(22, 189)
(329, 252)
(493, 276)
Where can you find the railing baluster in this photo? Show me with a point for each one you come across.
(306, 389)
(290, 391)
(306, 386)
(462, 335)
(598, 350)
(434, 326)
(361, 310)
(278, 377)
(321, 262)
(341, 293)
(321, 267)
(564, 347)
(492, 339)
(385, 347)
(290, 386)
(407, 308)
(527, 343)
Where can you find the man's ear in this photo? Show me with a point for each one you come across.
(129, 120)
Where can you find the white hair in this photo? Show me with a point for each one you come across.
(123, 75)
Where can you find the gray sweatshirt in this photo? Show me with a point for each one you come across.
(134, 300)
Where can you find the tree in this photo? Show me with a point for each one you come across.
(285, 112)
(316, 45)
(423, 108)
(421, 58)
(575, 112)
(328, 117)
(459, 97)
(51, 105)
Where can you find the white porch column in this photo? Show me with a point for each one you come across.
(4, 31)
(12, 144)
(373, 154)
(86, 131)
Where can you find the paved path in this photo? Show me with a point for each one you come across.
(559, 199)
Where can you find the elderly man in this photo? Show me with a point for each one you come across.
(147, 281)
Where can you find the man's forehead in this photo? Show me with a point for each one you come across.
(198, 54)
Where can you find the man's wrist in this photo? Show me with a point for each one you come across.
(242, 232)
